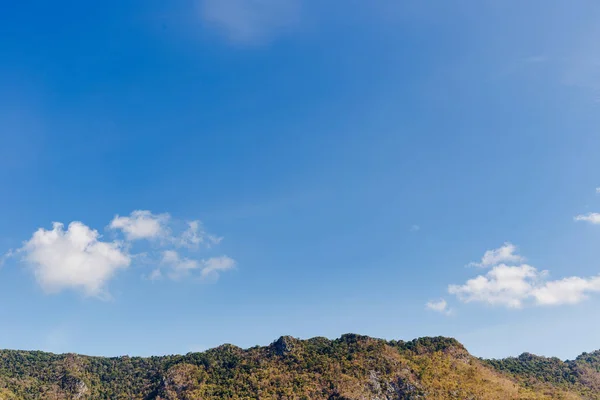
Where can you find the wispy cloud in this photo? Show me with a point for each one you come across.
(9, 254)
(503, 254)
(142, 224)
(155, 275)
(181, 267)
(440, 306)
(214, 266)
(195, 235)
(251, 22)
(593, 218)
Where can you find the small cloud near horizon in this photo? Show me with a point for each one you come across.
(440, 306)
(513, 284)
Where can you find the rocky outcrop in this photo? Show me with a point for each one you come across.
(180, 382)
(284, 345)
(399, 389)
(74, 387)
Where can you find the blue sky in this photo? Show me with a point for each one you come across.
(237, 170)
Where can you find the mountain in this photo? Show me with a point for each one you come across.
(352, 367)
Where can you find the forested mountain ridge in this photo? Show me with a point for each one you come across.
(352, 367)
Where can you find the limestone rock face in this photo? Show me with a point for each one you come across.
(284, 345)
(74, 387)
(181, 381)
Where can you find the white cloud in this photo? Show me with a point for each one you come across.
(415, 228)
(440, 306)
(214, 266)
(195, 235)
(504, 254)
(181, 266)
(598, 190)
(9, 254)
(142, 224)
(251, 21)
(571, 290)
(75, 258)
(593, 218)
(503, 285)
(516, 286)
(78, 258)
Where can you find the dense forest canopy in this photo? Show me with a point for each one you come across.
(351, 367)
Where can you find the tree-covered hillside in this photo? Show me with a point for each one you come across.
(352, 367)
